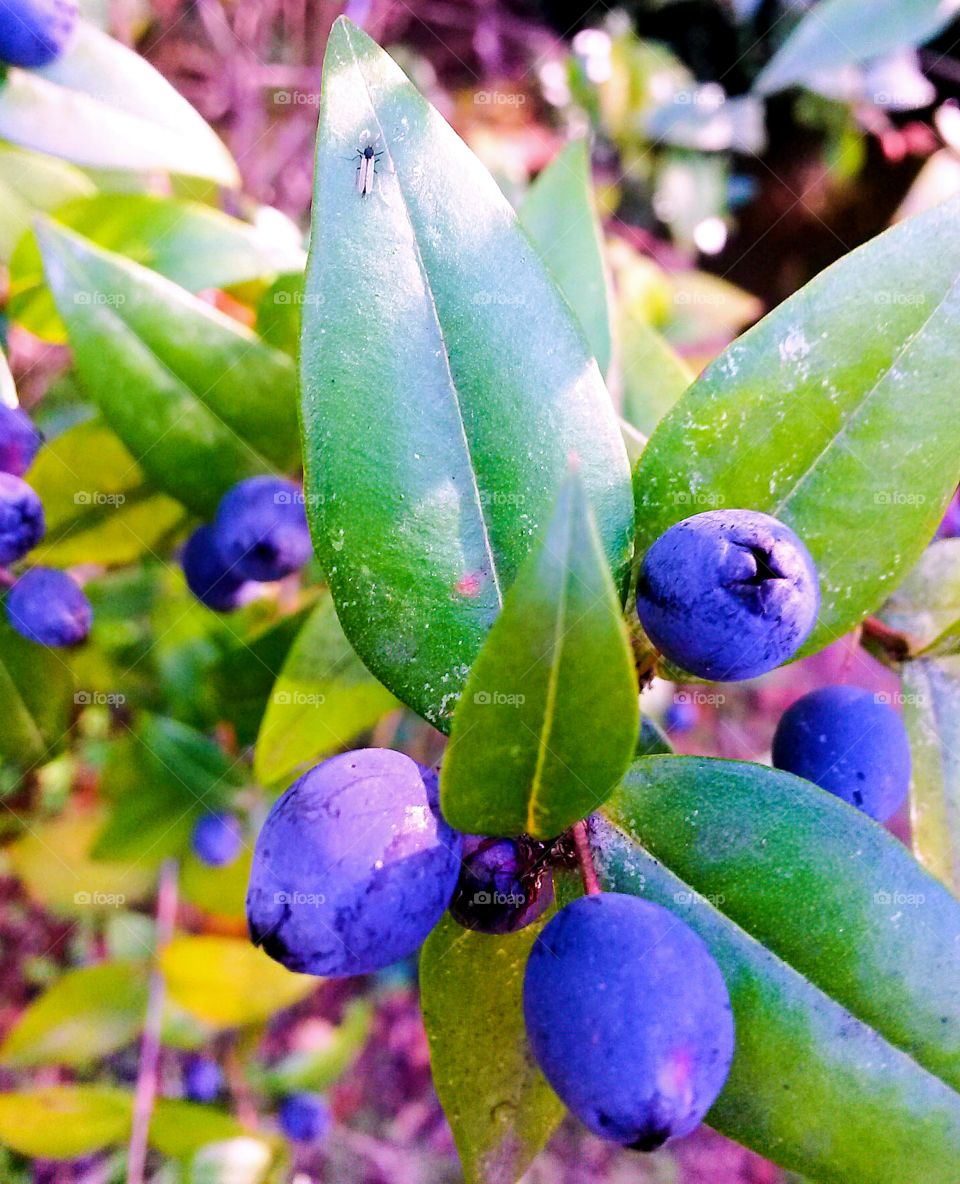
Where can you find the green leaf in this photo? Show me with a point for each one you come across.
(198, 400)
(36, 690)
(101, 512)
(926, 606)
(226, 982)
(321, 1067)
(652, 740)
(219, 891)
(279, 313)
(834, 33)
(497, 1101)
(524, 753)
(179, 1128)
(559, 215)
(87, 1014)
(323, 697)
(842, 398)
(191, 244)
(931, 710)
(654, 376)
(811, 1087)
(30, 183)
(445, 383)
(64, 1121)
(104, 106)
(816, 882)
(159, 779)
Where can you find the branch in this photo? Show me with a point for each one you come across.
(588, 872)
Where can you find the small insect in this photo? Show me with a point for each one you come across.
(366, 169)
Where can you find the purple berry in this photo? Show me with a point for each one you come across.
(728, 594)
(629, 1018)
(681, 716)
(260, 529)
(504, 884)
(49, 607)
(19, 440)
(22, 524)
(35, 32)
(354, 865)
(304, 1118)
(949, 527)
(851, 744)
(216, 839)
(207, 576)
(202, 1079)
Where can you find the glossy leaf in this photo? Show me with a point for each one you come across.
(843, 400)
(88, 1013)
(816, 882)
(64, 1121)
(436, 433)
(931, 710)
(103, 105)
(555, 673)
(834, 33)
(558, 213)
(654, 376)
(811, 1087)
(199, 401)
(191, 244)
(36, 690)
(497, 1101)
(323, 697)
(31, 183)
(102, 513)
(226, 981)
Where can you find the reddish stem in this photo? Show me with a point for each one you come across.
(588, 872)
(895, 644)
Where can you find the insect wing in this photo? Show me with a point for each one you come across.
(365, 176)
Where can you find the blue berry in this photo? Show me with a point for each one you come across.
(354, 865)
(304, 1118)
(202, 1079)
(207, 576)
(35, 32)
(217, 839)
(629, 1018)
(728, 594)
(681, 716)
(49, 607)
(22, 524)
(19, 439)
(849, 743)
(504, 884)
(261, 529)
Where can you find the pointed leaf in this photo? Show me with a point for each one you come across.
(104, 106)
(31, 183)
(445, 383)
(931, 711)
(811, 1087)
(87, 1014)
(36, 690)
(199, 401)
(555, 673)
(497, 1101)
(323, 697)
(64, 1121)
(558, 213)
(843, 400)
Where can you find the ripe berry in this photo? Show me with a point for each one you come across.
(49, 607)
(504, 884)
(354, 865)
(19, 439)
(216, 839)
(22, 524)
(849, 743)
(260, 529)
(202, 1079)
(681, 716)
(629, 1018)
(304, 1118)
(728, 594)
(207, 576)
(35, 32)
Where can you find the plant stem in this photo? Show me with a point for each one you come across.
(588, 872)
(895, 645)
(146, 1090)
